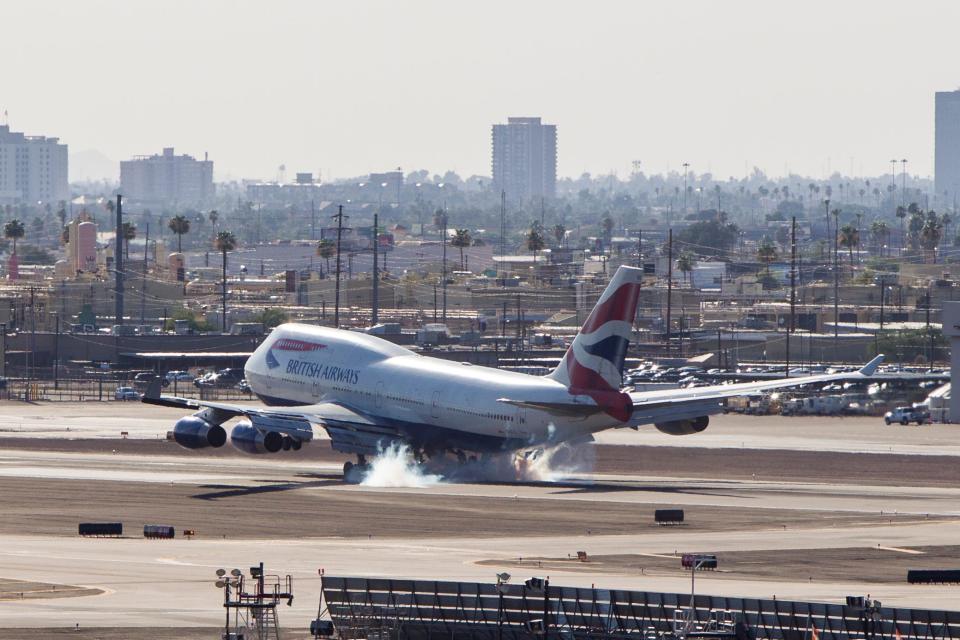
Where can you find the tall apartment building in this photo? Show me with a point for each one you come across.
(525, 159)
(167, 179)
(32, 169)
(947, 148)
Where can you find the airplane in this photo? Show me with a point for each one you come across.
(369, 394)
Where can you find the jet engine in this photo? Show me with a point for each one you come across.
(249, 439)
(193, 432)
(683, 427)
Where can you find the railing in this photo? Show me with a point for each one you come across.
(424, 610)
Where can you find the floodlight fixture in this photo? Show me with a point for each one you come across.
(220, 584)
(221, 573)
(236, 573)
(503, 577)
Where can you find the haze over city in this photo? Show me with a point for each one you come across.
(345, 88)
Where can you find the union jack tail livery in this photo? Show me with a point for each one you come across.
(593, 365)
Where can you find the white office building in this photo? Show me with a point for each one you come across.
(167, 179)
(33, 169)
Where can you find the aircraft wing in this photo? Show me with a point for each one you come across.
(350, 431)
(683, 404)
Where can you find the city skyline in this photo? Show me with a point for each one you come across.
(710, 88)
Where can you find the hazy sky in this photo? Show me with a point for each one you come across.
(353, 86)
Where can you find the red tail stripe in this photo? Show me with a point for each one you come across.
(622, 305)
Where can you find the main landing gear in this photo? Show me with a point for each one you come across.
(353, 473)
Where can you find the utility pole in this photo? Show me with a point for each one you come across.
(669, 283)
(836, 291)
(793, 286)
(503, 234)
(640, 248)
(376, 273)
(876, 338)
(313, 221)
(118, 264)
(444, 268)
(33, 335)
(336, 303)
(929, 334)
(143, 276)
(56, 354)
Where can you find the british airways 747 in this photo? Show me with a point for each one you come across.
(369, 394)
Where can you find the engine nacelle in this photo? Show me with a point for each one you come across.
(683, 427)
(249, 439)
(193, 432)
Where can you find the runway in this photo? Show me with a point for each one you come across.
(294, 514)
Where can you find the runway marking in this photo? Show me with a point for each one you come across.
(901, 550)
(657, 555)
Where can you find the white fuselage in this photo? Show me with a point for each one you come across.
(306, 365)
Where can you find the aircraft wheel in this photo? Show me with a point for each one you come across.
(351, 473)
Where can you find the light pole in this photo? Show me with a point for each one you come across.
(686, 166)
(903, 184)
(502, 580)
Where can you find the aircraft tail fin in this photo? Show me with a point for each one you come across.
(593, 365)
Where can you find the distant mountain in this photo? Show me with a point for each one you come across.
(90, 165)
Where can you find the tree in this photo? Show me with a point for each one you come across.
(766, 253)
(326, 249)
(180, 225)
(213, 216)
(559, 233)
(111, 207)
(461, 238)
(224, 243)
(439, 218)
(607, 225)
(685, 265)
(62, 212)
(902, 214)
(879, 231)
(849, 238)
(710, 237)
(271, 317)
(535, 242)
(931, 234)
(14, 230)
(129, 233)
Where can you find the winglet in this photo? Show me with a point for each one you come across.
(871, 367)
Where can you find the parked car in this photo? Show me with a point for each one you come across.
(143, 380)
(126, 393)
(224, 379)
(906, 415)
(244, 387)
(179, 376)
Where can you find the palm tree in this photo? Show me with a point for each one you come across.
(129, 233)
(879, 230)
(849, 238)
(931, 234)
(180, 225)
(62, 213)
(213, 216)
(326, 248)
(111, 207)
(461, 238)
(685, 265)
(766, 253)
(224, 243)
(902, 214)
(14, 230)
(535, 242)
(560, 232)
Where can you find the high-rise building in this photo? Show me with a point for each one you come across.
(947, 148)
(167, 179)
(32, 168)
(525, 159)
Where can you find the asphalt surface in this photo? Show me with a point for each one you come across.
(826, 518)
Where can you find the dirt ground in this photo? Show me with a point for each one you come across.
(286, 510)
(671, 462)
(874, 565)
(22, 590)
